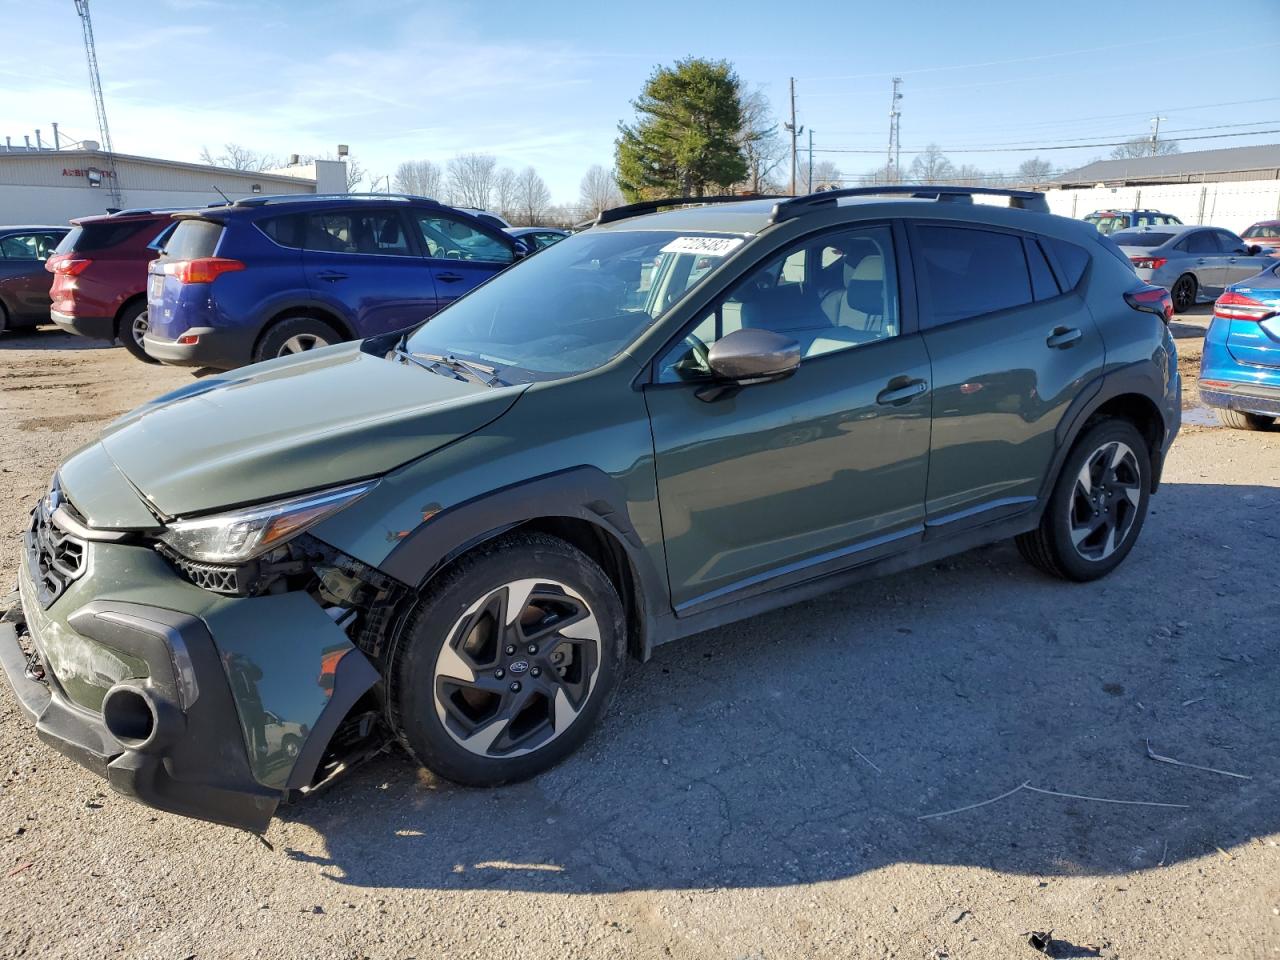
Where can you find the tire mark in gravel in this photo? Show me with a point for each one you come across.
(60, 423)
(52, 386)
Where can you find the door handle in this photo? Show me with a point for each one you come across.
(900, 390)
(331, 275)
(1200, 261)
(449, 277)
(1063, 337)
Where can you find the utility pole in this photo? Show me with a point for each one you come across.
(1155, 133)
(810, 180)
(894, 160)
(795, 132)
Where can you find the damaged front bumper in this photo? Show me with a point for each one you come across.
(207, 706)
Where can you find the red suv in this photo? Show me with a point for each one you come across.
(100, 275)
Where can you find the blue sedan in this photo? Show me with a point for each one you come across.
(1240, 367)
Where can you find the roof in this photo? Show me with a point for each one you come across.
(1263, 159)
(21, 227)
(102, 157)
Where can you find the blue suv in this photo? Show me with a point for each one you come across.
(266, 277)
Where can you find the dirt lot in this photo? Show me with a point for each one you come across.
(756, 792)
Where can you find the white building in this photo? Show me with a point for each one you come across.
(1231, 188)
(53, 186)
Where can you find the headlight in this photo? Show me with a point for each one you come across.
(243, 534)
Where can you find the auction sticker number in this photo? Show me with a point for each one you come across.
(706, 246)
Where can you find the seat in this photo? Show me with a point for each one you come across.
(863, 304)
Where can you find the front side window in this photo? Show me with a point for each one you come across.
(449, 239)
(576, 305)
(967, 273)
(19, 248)
(828, 294)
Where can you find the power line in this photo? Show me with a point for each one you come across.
(1082, 146)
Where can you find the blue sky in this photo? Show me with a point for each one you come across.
(546, 82)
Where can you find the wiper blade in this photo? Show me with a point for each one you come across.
(429, 364)
(483, 372)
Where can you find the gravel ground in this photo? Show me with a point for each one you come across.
(756, 791)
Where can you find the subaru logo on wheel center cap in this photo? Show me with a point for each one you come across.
(520, 666)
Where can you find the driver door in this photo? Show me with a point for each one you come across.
(781, 481)
(461, 255)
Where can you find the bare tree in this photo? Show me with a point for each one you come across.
(761, 145)
(967, 175)
(236, 157)
(1144, 147)
(505, 191)
(887, 173)
(598, 191)
(826, 175)
(532, 198)
(471, 177)
(931, 166)
(419, 177)
(1035, 170)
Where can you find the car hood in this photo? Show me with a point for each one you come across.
(302, 423)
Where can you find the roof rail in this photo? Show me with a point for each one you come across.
(294, 197)
(791, 207)
(625, 212)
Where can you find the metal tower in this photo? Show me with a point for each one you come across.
(894, 162)
(95, 85)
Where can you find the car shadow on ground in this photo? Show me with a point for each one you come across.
(806, 745)
(49, 337)
(1192, 323)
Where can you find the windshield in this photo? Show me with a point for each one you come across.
(574, 306)
(1269, 231)
(1141, 238)
(1107, 222)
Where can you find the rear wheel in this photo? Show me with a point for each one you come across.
(1184, 293)
(508, 661)
(295, 335)
(1098, 505)
(131, 328)
(1239, 420)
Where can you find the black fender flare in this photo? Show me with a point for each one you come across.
(1136, 379)
(582, 493)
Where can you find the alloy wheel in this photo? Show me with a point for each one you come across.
(139, 327)
(1104, 502)
(1184, 294)
(517, 668)
(301, 343)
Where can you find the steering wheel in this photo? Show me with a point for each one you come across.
(701, 352)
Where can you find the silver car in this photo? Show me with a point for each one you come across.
(1193, 263)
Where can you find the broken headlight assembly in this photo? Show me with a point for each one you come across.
(241, 535)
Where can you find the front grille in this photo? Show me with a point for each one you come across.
(55, 558)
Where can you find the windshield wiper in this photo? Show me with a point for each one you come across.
(483, 372)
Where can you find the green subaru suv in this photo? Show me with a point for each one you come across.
(456, 537)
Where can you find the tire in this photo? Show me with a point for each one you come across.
(1239, 420)
(1086, 533)
(130, 329)
(295, 335)
(472, 711)
(1184, 293)
(4, 317)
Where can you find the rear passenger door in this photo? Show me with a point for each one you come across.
(461, 254)
(1012, 342)
(364, 265)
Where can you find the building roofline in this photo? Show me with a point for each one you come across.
(103, 157)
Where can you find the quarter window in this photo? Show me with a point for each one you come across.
(829, 294)
(1043, 283)
(968, 273)
(1073, 260)
(449, 239)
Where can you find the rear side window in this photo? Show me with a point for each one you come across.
(376, 232)
(192, 239)
(101, 235)
(1043, 283)
(287, 231)
(20, 247)
(1072, 260)
(967, 273)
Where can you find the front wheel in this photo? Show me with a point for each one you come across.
(132, 328)
(1239, 420)
(1098, 505)
(508, 661)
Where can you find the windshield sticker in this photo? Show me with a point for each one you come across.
(707, 246)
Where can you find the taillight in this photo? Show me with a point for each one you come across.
(1149, 263)
(1149, 299)
(1236, 306)
(67, 266)
(201, 269)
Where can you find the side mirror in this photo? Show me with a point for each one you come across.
(524, 247)
(749, 356)
(1252, 250)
